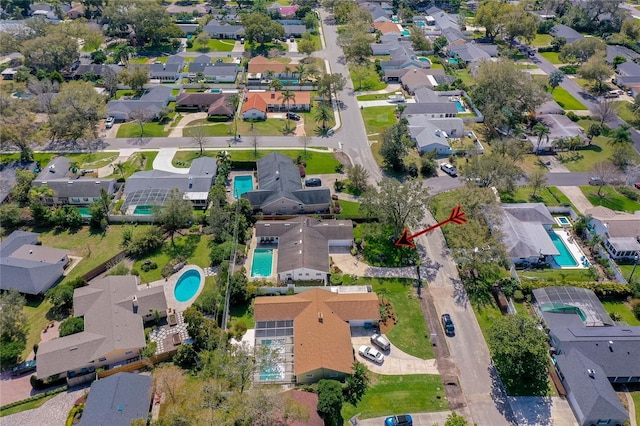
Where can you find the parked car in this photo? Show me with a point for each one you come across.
(596, 181)
(329, 132)
(313, 182)
(25, 367)
(109, 122)
(402, 420)
(371, 354)
(449, 169)
(293, 116)
(242, 40)
(292, 39)
(637, 185)
(447, 324)
(380, 341)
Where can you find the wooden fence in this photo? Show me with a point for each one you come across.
(101, 268)
(138, 365)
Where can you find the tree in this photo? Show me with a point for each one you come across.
(606, 109)
(419, 41)
(595, 70)
(286, 97)
(519, 351)
(10, 215)
(304, 141)
(358, 177)
(141, 117)
(323, 115)
(439, 43)
(66, 216)
(110, 81)
(177, 213)
(394, 146)
(621, 136)
(98, 57)
(355, 42)
(50, 52)
(122, 53)
(169, 380)
(330, 84)
(506, 94)
(22, 186)
(71, 325)
(135, 78)
(306, 47)
(61, 297)
(198, 138)
(18, 127)
(537, 181)
(261, 29)
(356, 384)
(635, 107)
(555, 79)
(400, 205)
(493, 170)
(489, 16)
(603, 171)
(455, 419)
(98, 218)
(78, 109)
(542, 132)
(581, 51)
(360, 72)
(329, 400)
(517, 22)
(143, 241)
(13, 320)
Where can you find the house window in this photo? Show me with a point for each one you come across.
(85, 199)
(75, 199)
(128, 352)
(333, 375)
(309, 376)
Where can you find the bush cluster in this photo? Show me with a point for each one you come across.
(628, 192)
(608, 290)
(146, 267)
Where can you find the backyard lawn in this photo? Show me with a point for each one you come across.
(550, 196)
(36, 311)
(91, 160)
(542, 40)
(584, 160)
(377, 119)
(151, 130)
(398, 395)
(610, 198)
(636, 401)
(566, 100)
(349, 209)
(317, 162)
(624, 111)
(371, 83)
(551, 57)
(214, 45)
(557, 275)
(623, 310)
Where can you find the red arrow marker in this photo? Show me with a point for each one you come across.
(456, 216)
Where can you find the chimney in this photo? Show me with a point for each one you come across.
(134, 301)
(320, 317)
(273, 93)
(611, 345)
(591, 373)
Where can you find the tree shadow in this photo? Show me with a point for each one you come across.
(531, 410)
(185, 246)
(499, 395)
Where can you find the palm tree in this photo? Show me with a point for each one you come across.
(122, 54)
(276, 84)
(575, 142)
(301, 70)
(541, 131)
(119, 168)
(621, 136)
(287, 71)
(269, 74)
(287, 96)
(323, 114)
(400, 108)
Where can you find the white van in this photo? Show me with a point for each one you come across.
(449, 169)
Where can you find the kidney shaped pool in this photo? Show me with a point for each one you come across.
(187, 285)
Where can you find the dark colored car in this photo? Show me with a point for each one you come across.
(447, 324)
(402, 420)
(25, 367)
(596, 181)
(293, 116)
(313, 182)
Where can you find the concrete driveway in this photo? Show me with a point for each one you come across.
(419, 419)
(395, 361)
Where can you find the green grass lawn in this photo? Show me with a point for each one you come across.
(610, 198)
(217, 129)
(584, 160)
(566, 100)
(242, 313)
(123, 92)
(36, 311)
(550, 196)
(557, 275)
(317, 162)
(551, 57)
(636, 401)
(373, 97)
(214, 45)
(542, 40)
(91, 160)
(311, 126)
(135, 162)
(377, 119)
(269, 127)
(29, 405)
(349, 209)
(624, 111)
(386, 395)
(369, 84)
(623, 310)
(191, 246)
(132, 130)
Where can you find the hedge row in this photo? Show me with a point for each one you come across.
(34, 398)
(607, 290)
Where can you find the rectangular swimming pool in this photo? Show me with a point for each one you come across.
(242, 184)
(143, 210)
(566, 258)
(275, 371)
(84, 211)
(460, 106)
(262, 264)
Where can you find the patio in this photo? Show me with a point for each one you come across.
(165, 335)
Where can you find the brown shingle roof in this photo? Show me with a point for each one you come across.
(308, 400)
(386, 27)
(260, 64)
(220, 107)
(254, 102)
(322, 337)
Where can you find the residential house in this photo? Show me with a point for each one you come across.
(54, 14)
(188, 29)
(151, 187)
(96, 70)
(76, 11)
(304, 244)
(17, 28)
(8, 73)
(560, 127)
(614, 50)
(619, 231)
(69, 185)
(438, 109)
(193, 9)
(261, 68)
(308, 401)
(387, 44)
(433, 134)
(294, 30)
(567, 33)
(216, 104)
(454, 36)
(280, 189)
(628, 69)
(27, 266)
(118, 400)
(414, 79)
(167, 72)
(221, 72)
(8, 175)
(317, 322)
(442, 19)
(525, 229)
(198, 64)
(472, 53)
(590, 352)
(403, 56)
(282, 11)
(114, 311)
(151, 104)
(220, 30)
(387, 27)
(257, 104)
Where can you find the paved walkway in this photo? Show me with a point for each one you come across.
(124, 155)
(184, 121)
(52, 412)
(419, 419)
(391, 88)
(163, 161)
(352, 266)
(577, 198)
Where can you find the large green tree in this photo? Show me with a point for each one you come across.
(356, 384)
(397, 204)
(260, 28)
(77, 110)
(52, 52)
(394, 146)
(597, 71)
(330, 400)
(581, 50)
(519, 351)
(493, 170)
(176, 214)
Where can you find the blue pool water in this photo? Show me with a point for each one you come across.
(143, 210)
(187, 285)
(273, 372)
(84, 211)
(563, 220)
(460, 106)
(242, 184)
(420, 24)
(406, 33)
(565, 259)
(423, 59)
(286, 82)
(262, 263)
(453, 61)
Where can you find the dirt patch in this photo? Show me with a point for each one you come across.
(388, 318)
(343, 158)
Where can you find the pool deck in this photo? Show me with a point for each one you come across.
(170, 283)
(573, 248)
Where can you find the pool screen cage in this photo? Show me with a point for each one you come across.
(146, 197)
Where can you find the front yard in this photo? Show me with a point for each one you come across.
(610, 198)
(550, 196)
(213, 45)
(566, 100)
(551, 57)
(151, 130)
(377, 119)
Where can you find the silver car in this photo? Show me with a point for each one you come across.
(371, 354)
(380, 341)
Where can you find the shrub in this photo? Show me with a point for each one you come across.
(607, 290)
(144, 241)
(167, 270)
(572, 116)
(36, 383)
(239, 328)
(119, 269)
(412, 169)
(338, 185)
(340, 168)
(428, 167)
(569, 69)
(336, 279)
(10, 351)
(150, 350)
(71, 325)
(628, 192)
(518, 296)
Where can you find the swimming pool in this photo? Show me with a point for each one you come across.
(262, 264)
(275, 371)
(453, 61)
(84, 211)
(143, 210)
(565, 259)
(286, 82)
(242, 184)
(406, 33)
(420, 24)
(460, 106)
(563, 221)
(423, 59)
(187, 285)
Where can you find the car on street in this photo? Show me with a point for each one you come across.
(329, 132)
(25, 367)
(371, 354)
(293, 116)
(447, 324)
(401, 420)
(596, 181)
(109, 122)
(380, 341)
(313, 182)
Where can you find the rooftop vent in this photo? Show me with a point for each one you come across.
(591, 373)
(320, 317)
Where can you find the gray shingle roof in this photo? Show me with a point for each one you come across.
(568, 33)
(294, 29)
(444, 107)
(215, 27)
(523, 232)
(199, 179)
(117, 400)
(628, 68)
(8, 176)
